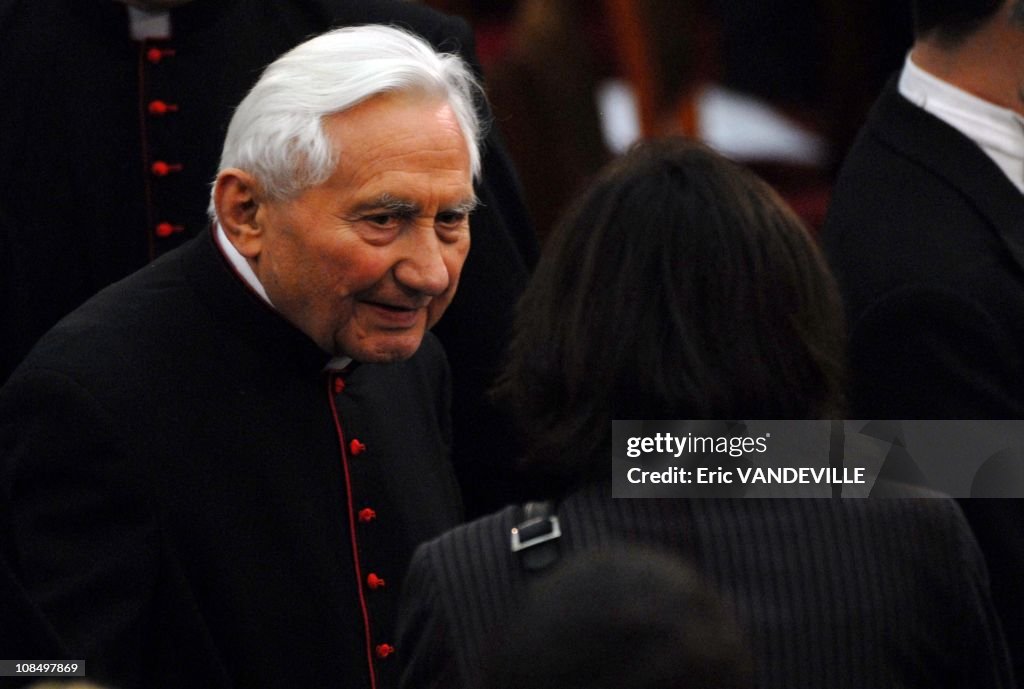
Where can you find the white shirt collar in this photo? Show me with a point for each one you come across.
(998, 131)
(248, 276)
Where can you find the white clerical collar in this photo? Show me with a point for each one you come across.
(149, 24)
(998, 131)
(248, 276)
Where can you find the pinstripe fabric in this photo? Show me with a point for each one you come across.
(855, 593)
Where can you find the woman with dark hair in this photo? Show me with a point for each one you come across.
(680, 286)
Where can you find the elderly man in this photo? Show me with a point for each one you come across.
(216, 469)
(926, 235)
(126, 122)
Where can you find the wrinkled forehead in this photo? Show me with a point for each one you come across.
(411, 149)
(387, 111)
(389, 127)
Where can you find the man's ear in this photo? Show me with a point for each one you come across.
(235, 196)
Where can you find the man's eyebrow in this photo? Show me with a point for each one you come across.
(390, 204)
(467, 206)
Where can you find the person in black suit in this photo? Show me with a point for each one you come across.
(238, 511)
(926, 236)
(680, 286)
(110, 136)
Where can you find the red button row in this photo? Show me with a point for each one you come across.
(160, 168)
(366, 515)
(375, 582)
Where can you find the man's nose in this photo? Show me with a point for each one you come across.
(423, 269)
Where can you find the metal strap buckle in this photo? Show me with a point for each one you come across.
(534, 532)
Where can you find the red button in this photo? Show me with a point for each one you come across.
(339, 385)
(158, 107)
(367, 515)
(166, 229)
(154, 55)
(356, 447)
(384, 650)
(162, 169)
(375, 582)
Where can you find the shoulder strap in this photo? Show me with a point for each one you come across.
(535, 537)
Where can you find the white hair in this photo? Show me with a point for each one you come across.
(276, 133)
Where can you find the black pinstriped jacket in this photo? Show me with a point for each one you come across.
(854, 593)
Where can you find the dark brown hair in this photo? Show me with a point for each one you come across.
(679, 286)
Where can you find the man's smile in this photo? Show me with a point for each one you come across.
(396, 314)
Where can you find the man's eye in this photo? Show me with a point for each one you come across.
(383, 220)
(451, 218)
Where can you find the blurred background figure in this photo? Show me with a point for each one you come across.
(543, 75)
(680, 286)
(781, 86)
(926, 235)
(624, 617)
